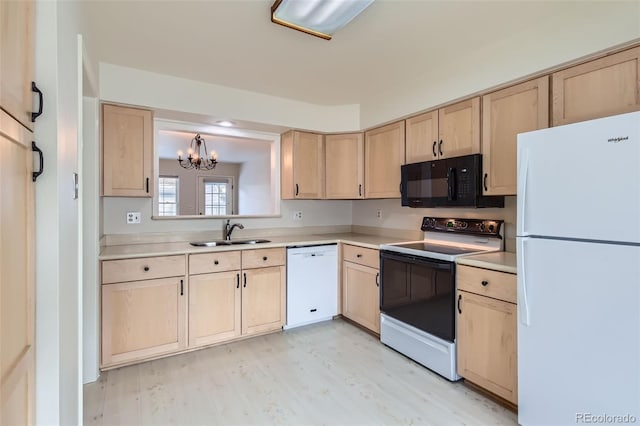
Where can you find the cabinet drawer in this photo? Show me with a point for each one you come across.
(499, 285)
(214, 262)
(144, 268)
(361, 255)
(263, 257)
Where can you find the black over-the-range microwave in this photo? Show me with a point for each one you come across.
(450, 182)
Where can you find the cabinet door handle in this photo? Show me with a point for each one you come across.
(237, 280)
(146, 269)
(38, 113)
(181, 287)
(245, 279)
(433, 148)
(34, 148)
(360, 190)
(485, 283)
(377, 279)
(296, 189)
(215, 262)
(459, 299)
(440, 147)
(147, 185)
(486, 175)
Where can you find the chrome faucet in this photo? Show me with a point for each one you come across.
(228, 229)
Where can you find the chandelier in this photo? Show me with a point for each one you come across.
(197, 156)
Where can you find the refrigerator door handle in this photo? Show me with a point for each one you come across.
(523, 301)
(523, 174)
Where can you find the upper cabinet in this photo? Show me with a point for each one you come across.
(16, 66)
(448, 132)
(302, 167)
(344, 165)
(459, 129)
(384, 154)
(505, 113)
(127, 151)
(422, 137)
(599, 88)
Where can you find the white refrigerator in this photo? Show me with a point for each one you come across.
(578, 251)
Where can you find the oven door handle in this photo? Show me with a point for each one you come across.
(416, 260)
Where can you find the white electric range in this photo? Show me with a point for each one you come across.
(417, 288)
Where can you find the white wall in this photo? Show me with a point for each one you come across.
(152, 90)
(315, 213)
(58, 384)
(254, 189)
(581, 28)
(394, 216)
(91, 240)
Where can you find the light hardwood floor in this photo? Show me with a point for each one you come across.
(330, 373)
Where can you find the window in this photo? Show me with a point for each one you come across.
(168, 196)
(215, 198)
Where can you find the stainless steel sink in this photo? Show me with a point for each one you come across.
(249, 241)
(226, 242)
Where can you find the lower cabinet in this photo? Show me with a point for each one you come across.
(361, 286)
(487, 330)
(143, 319)
(226, 295)
(234, 294)
(214, 307)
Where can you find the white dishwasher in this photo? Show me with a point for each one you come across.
(312, 284)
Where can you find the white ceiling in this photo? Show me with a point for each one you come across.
(233, 43)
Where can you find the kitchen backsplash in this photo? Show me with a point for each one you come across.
(358, 215)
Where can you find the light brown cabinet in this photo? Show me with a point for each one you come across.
(144, 305)
(487, 330)
(344, 165)
(17, 215)
(598, 88)
(450, 131)
(16, 66)
(422, 137)
(302, 165)
(384, 154)
(127, 151)
(227, 301)
(143, 319)
(505, 113)
(214, 297)
(361, 286)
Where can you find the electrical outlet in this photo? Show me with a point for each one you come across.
(133, 217)
(297, 215)
(379, 214)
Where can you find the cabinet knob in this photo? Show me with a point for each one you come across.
(485, 283)
(215, 262)
(146, 269)
(264, 258)
(358, 255)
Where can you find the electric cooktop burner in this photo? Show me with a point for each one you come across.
(437, 248)
(445, 238)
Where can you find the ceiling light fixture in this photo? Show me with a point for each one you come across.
(320, 18)
(197, 156)
(225, 123)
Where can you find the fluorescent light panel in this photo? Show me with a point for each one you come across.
(321, 18)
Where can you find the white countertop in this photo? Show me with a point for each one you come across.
(164, 249)
(498, 261)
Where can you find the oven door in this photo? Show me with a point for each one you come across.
(419, 291)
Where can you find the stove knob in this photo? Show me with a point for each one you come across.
(481, 226)
(490, 228)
